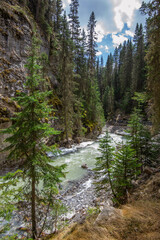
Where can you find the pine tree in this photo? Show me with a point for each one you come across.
(28, 132)
(152, 10)
(74, 22)
(58, 17)
(104, 164)
(91, 48)
(138, 73)
(115, 170)
(139, 136)
(124, 170)
(94, 108)
(108, 97)
(67, 85)
(116, 82)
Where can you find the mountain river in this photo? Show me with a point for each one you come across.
(78, 191)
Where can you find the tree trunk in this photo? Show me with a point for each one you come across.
(33, 209)
(37, 9)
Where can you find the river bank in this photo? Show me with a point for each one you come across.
(78, 193)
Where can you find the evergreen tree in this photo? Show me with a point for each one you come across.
(108, 97)
(115, 169)
(139, 135)
(27, 136)
(91, 48)
(116, 82)
(138, 73)
(125, 168)
(152, 10)
(104, 164)
(93, 105)
(58, 17)
(74, 22)
(67, 85)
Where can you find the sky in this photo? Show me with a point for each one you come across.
(116, 21)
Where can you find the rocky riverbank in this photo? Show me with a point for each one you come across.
(78, 196)
(81, 195)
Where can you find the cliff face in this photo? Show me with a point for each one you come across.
(15, 40)
(16, 26)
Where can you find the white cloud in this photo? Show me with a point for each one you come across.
(100, 32)
(129, 33)
(66, 3)
(99, 53)
(106, 48)
(118, 39)
(124, 12)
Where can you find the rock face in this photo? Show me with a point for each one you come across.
(15, 40)
(16, 28)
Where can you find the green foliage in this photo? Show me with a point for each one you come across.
(125, 168)
(14, 237)
(116, 169)
(139, 135)
(92, 211)
(58, 209)
(26, 140)
(152, 9)
(104, 164)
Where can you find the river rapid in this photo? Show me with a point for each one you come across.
(78, 191)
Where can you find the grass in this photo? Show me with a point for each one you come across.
(139, 220)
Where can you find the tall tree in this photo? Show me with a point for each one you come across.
(116, 76)
(27, 136)
(138, 73)
(58, 17)
(91, 48)
(74, 22)
(67, 85)
(152, 9)
(94, 108)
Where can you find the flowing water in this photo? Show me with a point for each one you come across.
(85, 153)
(75, 157)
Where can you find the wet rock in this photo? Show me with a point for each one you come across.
(84, 166)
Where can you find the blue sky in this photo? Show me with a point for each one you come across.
(116, 21)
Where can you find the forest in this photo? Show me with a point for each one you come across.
(68, 95)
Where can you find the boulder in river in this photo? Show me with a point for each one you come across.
(84, 166)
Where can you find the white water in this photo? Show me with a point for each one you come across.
(84, 153)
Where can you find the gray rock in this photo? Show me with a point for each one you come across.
(107, 213)
(84, 166)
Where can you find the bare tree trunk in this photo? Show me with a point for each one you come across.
(33, 209)
(37, 9)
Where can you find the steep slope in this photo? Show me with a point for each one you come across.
(16, 30)
(138, 220)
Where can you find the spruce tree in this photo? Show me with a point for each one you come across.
(58, 17)
(104, 164)
(139, 136)
(116, 169)
(74, 22)
(125, 169)
(152, 10)
(27, 140)
(91, 48)
(67, 84)
(138, 72)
